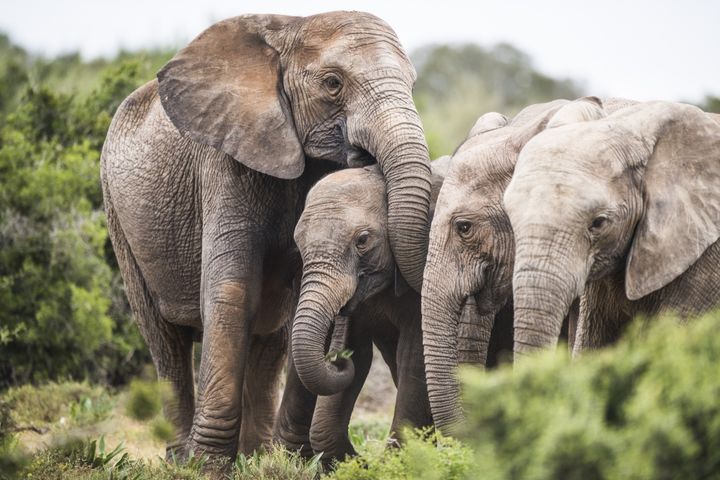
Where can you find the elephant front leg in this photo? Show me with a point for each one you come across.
(228, 310)
(329, 430)
(412, 407)
(262, 389)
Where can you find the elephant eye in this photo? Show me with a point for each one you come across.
(362, 239)
(462, 227)
(333, 84)
(598, 222)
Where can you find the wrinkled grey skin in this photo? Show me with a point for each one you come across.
(625, 210)
(349, 289)
(472, 248)
(204, 175)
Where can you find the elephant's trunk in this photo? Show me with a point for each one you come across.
(323, 293)
(440, 326)
(543, 290)
(393, 134)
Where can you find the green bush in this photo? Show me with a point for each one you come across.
(79, 403)
(64, 313)
(646, 409)
(426, 455)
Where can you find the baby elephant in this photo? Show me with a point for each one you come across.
(350, 280)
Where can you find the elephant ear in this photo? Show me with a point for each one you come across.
(225, 90)
(487, 122)
(581, 110)
(533, 119)
(682, 194)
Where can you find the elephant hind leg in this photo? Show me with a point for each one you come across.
(170, 345)
(262, 389)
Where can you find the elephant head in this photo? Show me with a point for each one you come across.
(343, 238)
(471, 252)
(636, 192)
(271, 91)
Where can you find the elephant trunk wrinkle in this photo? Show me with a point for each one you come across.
(319, 303)
(395, 138)
(440, 319)
(543, 292)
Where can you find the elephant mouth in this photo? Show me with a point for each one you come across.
(359, 157)
(484, 297)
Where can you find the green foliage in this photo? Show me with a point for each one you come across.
(458, 83)
(64, 313)
(711, 104)
(79, 403)
(364, 433)
(645, 409)
(277, 464)
(339, 355)
(145, 399)
(162, 429)
(426, 455)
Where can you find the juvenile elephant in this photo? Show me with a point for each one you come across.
(625, 210)
(472, 248)
(349, 279)
(205, 172)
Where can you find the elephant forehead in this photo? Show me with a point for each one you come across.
(596, 148)
(353, 40)
(352, 186)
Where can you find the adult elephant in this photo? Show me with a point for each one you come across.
(624, 210)
(472, 248)
(205, 172)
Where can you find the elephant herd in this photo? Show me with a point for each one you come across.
(271, 196)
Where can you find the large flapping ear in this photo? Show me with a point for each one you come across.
(487, 122)
(534, 119)
(225, 90)
(682, 193)
(583, 109)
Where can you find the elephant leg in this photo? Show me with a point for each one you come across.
(329, 430)
(292, 427)
(412, 407)
(229, 308)
(171, 346)
(262, 389)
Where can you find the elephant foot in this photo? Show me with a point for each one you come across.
(294, 442)
(334, 448)
(177, 454)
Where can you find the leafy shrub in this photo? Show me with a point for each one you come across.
(81, 403)
(426, 455)
(646, 409)
(64, 314)
(145, 399)
(277, 464)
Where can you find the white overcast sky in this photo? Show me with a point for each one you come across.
(644, 49)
